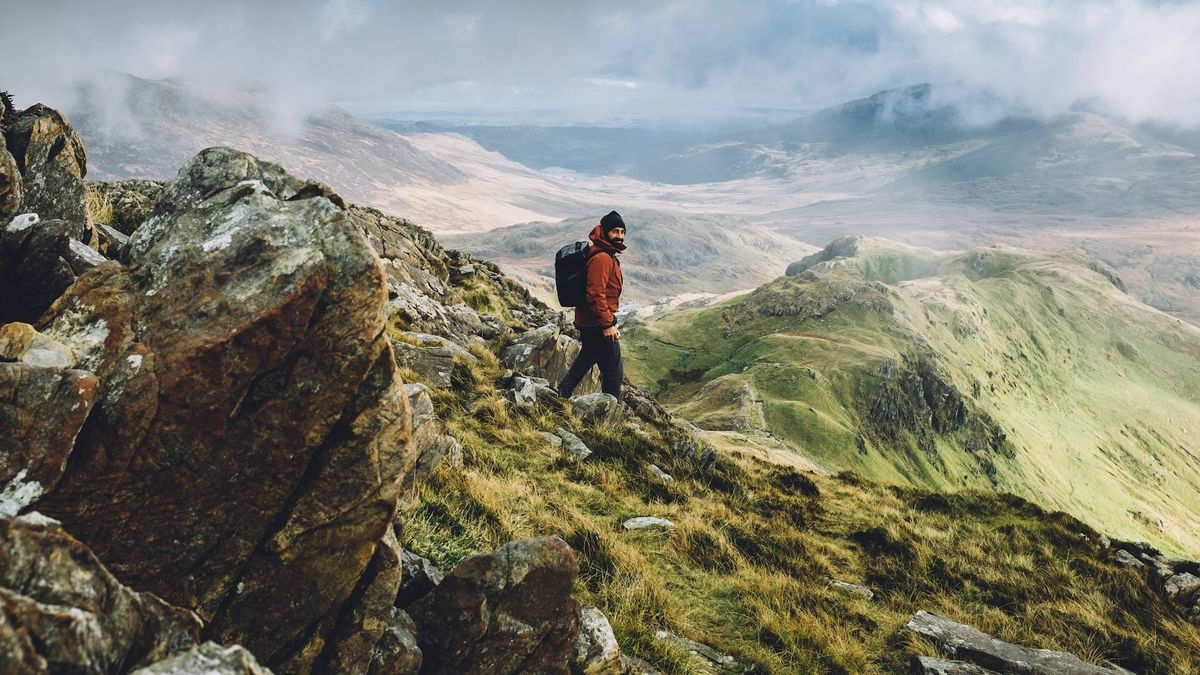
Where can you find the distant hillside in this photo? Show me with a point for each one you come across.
(138, 128)
(1024, 372)
(669, 254)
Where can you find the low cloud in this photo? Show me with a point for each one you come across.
(602, 58)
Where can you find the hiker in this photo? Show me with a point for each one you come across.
(594, 317)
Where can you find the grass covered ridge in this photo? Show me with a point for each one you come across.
(990, 369)
(747, 568)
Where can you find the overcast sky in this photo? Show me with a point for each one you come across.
(600, 58)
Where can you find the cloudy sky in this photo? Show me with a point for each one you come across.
(616, 58)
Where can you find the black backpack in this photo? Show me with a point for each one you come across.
(570, 273)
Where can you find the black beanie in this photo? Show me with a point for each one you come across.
(613, 219)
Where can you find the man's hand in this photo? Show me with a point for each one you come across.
(612, 333)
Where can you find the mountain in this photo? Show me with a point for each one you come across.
(306, 430)
(140, 128)
(669, 254)
(998, 368)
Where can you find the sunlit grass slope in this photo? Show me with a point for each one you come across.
(994, 368)
(748, 565)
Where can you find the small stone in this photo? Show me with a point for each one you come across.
(552, 439)
(632, 665)
(1126, 558)
(419, 576)
(852, 589)
(598, 408)
(643, 522)
(82, 257)
(660, 474)
(22, 343)
(1182, 586)
(576, 449)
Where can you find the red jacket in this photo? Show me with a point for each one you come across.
(603, 294)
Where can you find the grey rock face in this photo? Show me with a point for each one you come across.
(420, 576)
(20, 342)
(1183, 587)
(596, 652)
(967, 644)
(209, 658)
(547, 353)
(527, 391)
(50, 156)
(397, 652)
(62, 611)
(505, 612)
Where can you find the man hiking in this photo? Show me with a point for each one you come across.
(595, 316)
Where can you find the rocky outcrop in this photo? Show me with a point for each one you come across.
(596, 651)
(39, 259)
(966, 644)
(209, 658)
(50, 156)
(61, 611)
(505, 612)
(1176, 580)
(547, 352)
(431, 445)
(11, 189)
(595, 409)
(250, 432)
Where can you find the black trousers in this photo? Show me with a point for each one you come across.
(600, 351)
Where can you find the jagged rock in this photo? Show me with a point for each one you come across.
(35, 266)
(526, 391)
(126, 204)
(41, 411)
(598, 408)
(11, 189)
(643, 522)
(50, 156)
(967, 644)
(546, 352)
(576, 448)
(251, 432)
(426, 314)
(596, 651)
(364, 620)
(660, 474)
(852, 589)
(112, 243)
(432, 358)
(22, 343)
(1126, 558)
(209, 658)
(62, 611)
(397, 652)
(924, 665)
(722, 663)
(420, 576)
(505, 612)
(1182, 588)
(431, 445)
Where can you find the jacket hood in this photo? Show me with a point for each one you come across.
(598, 240)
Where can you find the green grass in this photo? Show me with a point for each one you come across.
(746, 570)
(1094, 394)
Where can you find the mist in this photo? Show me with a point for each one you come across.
(595, 60)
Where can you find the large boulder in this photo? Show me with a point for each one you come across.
(39, 259)
(548, 353)
(505, 612)
(61, 611)
(251, 432)
(52, 162)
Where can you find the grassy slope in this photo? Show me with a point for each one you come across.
(747, 567)
(1095, 393)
